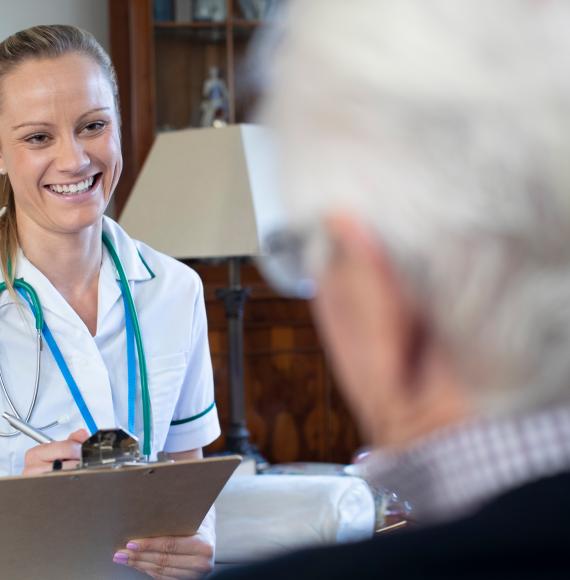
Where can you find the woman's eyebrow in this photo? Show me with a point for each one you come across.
(31, 124)
(96, 110)
(44, 124)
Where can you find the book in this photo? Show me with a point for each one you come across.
(163, 10)
(183, 10)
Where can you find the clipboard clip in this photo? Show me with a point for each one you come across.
(112, 448)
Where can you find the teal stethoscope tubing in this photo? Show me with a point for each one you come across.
(133, 339)
(32, 405)
(132, 328)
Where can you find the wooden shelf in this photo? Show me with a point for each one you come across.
(198, 25)
(242, 23)
(188, 25)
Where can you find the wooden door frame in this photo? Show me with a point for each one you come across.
(132, 52)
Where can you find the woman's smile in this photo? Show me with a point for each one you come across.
(76, 191)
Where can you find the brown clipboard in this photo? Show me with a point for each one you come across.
(68, 524)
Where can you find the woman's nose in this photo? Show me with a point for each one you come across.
(71, 156)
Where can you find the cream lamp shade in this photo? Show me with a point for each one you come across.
(206, 193)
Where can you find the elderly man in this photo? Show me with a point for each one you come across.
(424, 151)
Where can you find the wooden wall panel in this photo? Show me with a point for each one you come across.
(294, 411)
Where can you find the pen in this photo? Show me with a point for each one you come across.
(26, 429)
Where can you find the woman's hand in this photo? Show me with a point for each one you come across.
(168, 558)
(39, 459)
(174, 557)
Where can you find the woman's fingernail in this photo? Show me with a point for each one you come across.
(133, 546)
(120, 558)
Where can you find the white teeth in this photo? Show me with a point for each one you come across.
(74, 188)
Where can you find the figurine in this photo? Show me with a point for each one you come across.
(209, 10)
(214, 108)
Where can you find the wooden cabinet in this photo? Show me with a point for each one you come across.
(294, 411)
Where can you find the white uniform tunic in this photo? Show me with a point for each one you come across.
(169, 301)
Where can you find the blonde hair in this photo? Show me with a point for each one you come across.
(40, 42)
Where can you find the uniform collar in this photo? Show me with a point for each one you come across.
(133, 264)
(135, 268)
(50, 298)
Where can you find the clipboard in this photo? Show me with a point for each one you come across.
(68, 524)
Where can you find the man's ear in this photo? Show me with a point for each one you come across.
(363, 311)
(393, 373)
(349, 235)
(409, 326)
(369, 257)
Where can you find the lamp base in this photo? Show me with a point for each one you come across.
(237, 435)
(237, 441)
(248, 451)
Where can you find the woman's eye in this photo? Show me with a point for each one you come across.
(37, 139)
(94, 127)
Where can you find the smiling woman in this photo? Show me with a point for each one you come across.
(60, 161)
(60, 140)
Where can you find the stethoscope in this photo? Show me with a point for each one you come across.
(134, 345)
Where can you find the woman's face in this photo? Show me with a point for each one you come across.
(59, 142)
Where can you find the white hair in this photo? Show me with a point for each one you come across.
(444, 124)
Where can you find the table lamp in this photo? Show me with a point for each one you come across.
(209, 193)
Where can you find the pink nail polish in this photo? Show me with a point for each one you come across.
(133, 546)
(120, 558)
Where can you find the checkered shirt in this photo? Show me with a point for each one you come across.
(457, 469)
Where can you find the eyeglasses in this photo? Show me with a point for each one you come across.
(291, 259)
